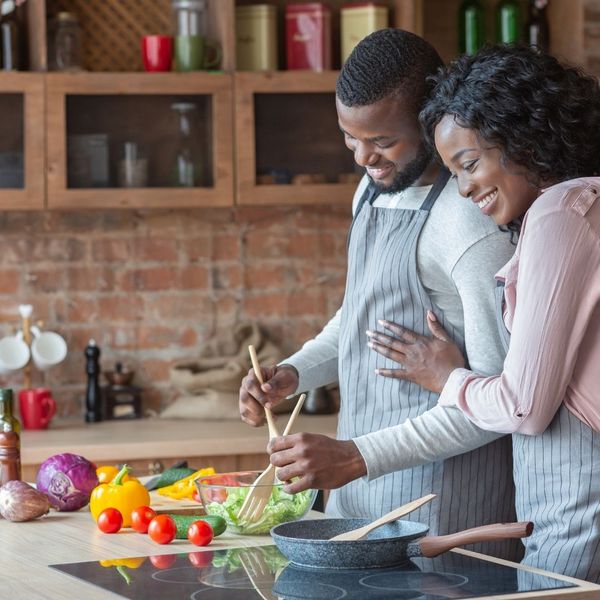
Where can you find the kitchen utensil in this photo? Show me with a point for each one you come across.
(393, 515)
(273, 431)
(256, 500)
(308, 543)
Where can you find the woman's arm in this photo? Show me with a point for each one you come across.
(559, 258)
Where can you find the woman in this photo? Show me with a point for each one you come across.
(520, 133)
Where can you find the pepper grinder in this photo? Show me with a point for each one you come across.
(93, 398)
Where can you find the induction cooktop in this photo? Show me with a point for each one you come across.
(263, 572)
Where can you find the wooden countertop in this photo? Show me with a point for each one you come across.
(28, 548)
(150, 438)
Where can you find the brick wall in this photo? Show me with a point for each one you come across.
(154, 287)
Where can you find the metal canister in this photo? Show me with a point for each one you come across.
(358, 21)
(308, 36)
(256, 37)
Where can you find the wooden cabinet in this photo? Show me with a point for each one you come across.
(286, 127)
(288, 149)
(137, 108)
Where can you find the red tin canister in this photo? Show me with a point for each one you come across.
(308, 36)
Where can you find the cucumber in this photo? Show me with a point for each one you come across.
(169, 477)
(183, 522)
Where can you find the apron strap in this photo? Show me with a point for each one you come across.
(369, 195)
(436, 189)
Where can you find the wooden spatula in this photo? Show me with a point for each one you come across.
(394, 515)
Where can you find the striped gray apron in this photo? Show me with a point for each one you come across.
(472, 489)
(558, 488)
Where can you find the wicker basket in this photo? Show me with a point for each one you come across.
(112, 29)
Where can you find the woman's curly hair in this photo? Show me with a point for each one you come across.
(540, 114)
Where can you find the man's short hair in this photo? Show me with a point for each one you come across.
(388, 62)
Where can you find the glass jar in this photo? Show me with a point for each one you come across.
(65, 51)
(133, 167)
(190, 17)
(187, 166)
(189, 34)
(10, 36)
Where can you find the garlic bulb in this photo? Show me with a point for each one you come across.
(21, 502)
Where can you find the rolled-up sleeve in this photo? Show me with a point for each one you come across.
(558, 258)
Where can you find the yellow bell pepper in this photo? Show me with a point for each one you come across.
(107, 473)
(125, 496)
(184, 488)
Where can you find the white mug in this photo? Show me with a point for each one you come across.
(14, 354)
(47, 349)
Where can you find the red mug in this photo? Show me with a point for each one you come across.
(157, 52)
(37, 408)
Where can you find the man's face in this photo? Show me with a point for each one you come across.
(386, 140)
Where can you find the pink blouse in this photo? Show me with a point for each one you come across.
(552, 296)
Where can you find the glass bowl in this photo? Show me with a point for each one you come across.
(223, 495)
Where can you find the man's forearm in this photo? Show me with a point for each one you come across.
(437, 434)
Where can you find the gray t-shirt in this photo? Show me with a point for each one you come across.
(458, 254)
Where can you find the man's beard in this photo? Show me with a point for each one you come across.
(411, 172)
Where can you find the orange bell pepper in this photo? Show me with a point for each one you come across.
(125, 496)
(107, 473)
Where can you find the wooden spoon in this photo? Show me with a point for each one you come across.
(273, 431)
(394, 515)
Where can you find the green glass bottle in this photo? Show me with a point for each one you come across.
(10, 444)
(508, 22)
(471, 31)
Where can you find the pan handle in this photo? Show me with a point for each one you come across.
(434, 545)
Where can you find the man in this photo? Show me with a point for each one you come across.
(414, 246)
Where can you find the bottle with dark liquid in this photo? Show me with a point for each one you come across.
(10, 443)
(93, 398)
(471, 32)
(538, 28)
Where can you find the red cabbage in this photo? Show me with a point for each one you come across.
(67, 480)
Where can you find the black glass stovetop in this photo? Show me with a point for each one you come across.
(263, 572)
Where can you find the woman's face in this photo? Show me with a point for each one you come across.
(500, 188)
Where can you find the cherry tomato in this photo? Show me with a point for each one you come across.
(141, 517)
(110, 520)
(164, 561)
(200, 533)
(201, 559)
(162, 529)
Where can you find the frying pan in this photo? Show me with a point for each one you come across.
(308, 543)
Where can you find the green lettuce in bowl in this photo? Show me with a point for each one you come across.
(223, 495)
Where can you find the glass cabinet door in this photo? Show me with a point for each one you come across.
(162, 143)
(290, 149)
(21, 141)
